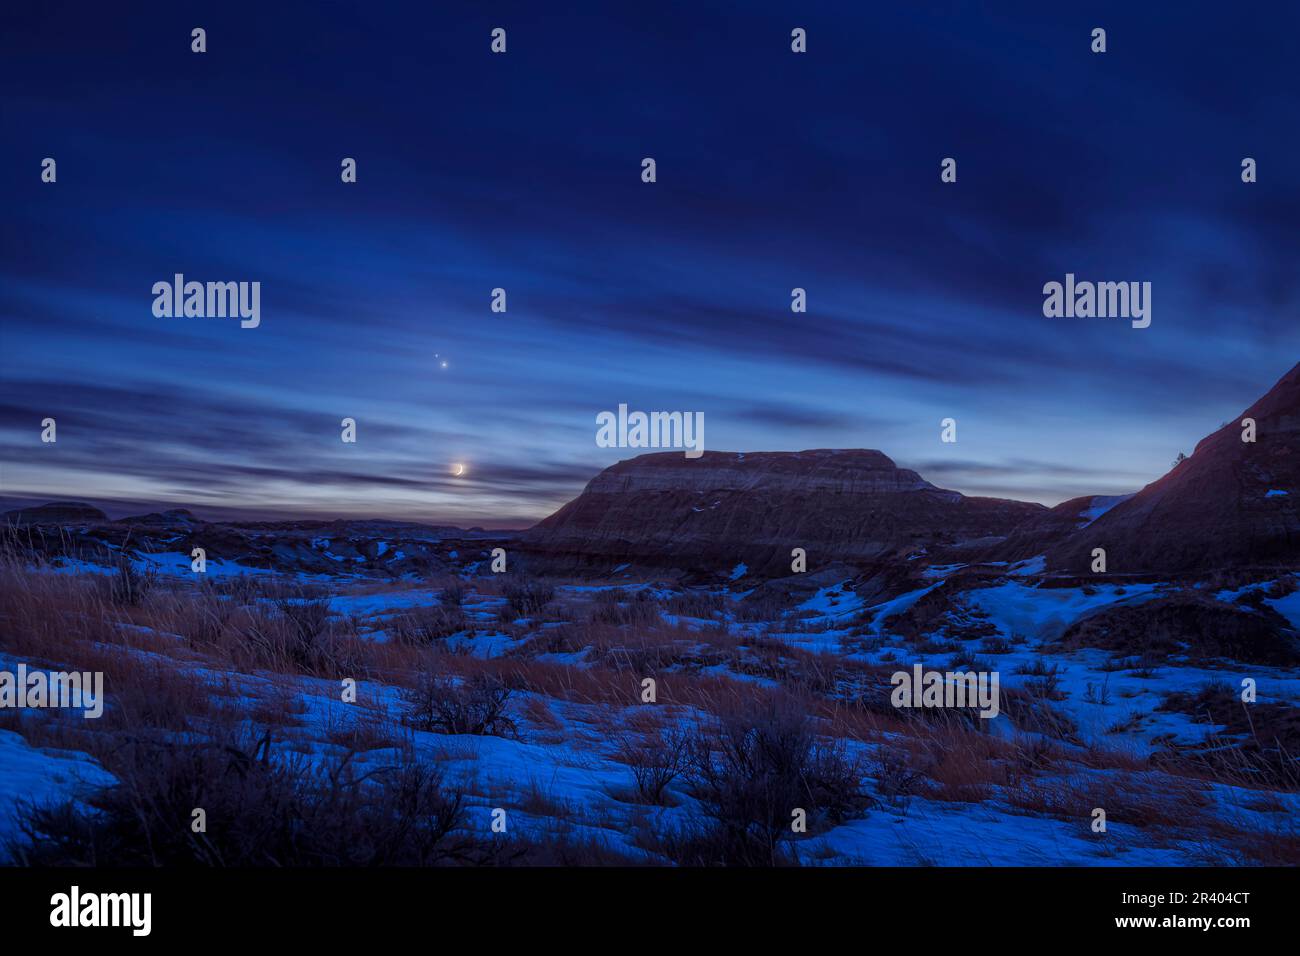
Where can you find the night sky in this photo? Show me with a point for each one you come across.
(522, 171)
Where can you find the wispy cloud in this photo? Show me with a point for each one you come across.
(924, 299)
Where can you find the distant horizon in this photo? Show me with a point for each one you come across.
(117, 508)
(127, 507)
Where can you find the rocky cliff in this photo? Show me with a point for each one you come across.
(726, 508)
(1231, 504)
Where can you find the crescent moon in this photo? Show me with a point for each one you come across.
(458, 470)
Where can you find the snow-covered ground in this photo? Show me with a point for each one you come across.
(41, 776)
(565, 761)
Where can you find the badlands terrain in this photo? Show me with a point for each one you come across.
(653, 680)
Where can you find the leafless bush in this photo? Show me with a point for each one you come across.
(298, 635)
(1038, 668)
(1098, 693)
(128, 585)
(306, 621)
(1112, 664)
(966, 659)
(751, 774)
(617, 607)
(261, 810)
(896, 780)
(529, 598)
(1146, 667)
(1033, 753)
(1129, 723)
(308, 617)
(1047, 687)
(474, 706)
(656, 761)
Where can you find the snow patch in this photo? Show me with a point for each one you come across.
(42, 775)
(1099, 505)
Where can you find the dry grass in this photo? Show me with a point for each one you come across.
(1167, 808)
(186, 659)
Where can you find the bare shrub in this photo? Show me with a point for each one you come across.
(966, 659)
(1098, 693)
(1209, 702)
(750, 774)
(1044, 682)
(453, 595)
(261, 810)
(291, 636)
(1146, 668)
(640, 608)
(307, 620)
(656, 761)
(896, 780)
(363, 730)
(297, 636)
(529, 598)
(128, 586)
(476, 706)
(1129, 723)
(1038, 668)
(1035, 753)
(1030, 710)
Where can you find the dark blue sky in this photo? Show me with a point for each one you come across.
(523, 171)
